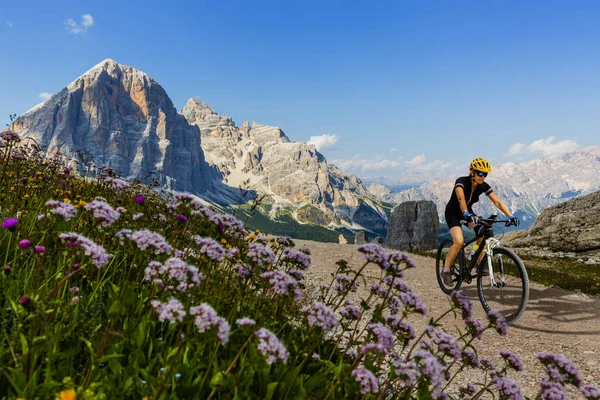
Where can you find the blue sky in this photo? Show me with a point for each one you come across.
(380, 87)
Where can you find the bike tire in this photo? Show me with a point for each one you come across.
(456, 267)
(511, 298)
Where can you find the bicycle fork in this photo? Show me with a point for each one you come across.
(490, 243)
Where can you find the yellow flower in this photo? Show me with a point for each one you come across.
(228, 246)
(26, 197)
(81, 203)
(251, 236)
(12, 189)
(38, 173)
(67, 395)
(257, 231)
(224, 241)
(66, 200)
(145, 398)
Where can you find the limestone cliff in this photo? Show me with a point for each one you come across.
(293, 174)
(127, 122)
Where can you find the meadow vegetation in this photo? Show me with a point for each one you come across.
(112, 289)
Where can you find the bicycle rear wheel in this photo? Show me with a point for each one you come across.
(510, 294)
(455, 268)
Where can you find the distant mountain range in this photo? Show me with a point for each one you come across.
(526, 188)
(125, 120)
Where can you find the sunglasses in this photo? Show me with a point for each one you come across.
(479, 173)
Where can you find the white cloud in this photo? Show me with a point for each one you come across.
(73, 27)
(45, 95)
(9, 24)
(393, 150)
(546, 147)
(416, 160)
(323, 141)
(357, 163)
(515, 148)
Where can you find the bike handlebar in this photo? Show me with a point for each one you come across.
(492, 219)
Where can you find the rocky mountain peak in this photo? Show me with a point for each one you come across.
(124, 120)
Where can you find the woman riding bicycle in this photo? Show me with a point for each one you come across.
(467, 190)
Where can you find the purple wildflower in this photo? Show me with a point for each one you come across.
(103, 211)
(39, 249)
(245, 322)
(344, 284)
(432, 370)
(24, 244)
(470, 359)
(366, 379)
(260, 255)
(243, 270)
(377, 347)
(350, 312)
(463, 303)
(10, 223)
(466, 391)
(117, 183)
(590, 392)
(145, 239)
(321, 315)
(282, 282)
(75, 300)
(474, 327)
(182, 275)
(65, 210)
(211, 248)
(270, 346)
(181, 218)
(446, 343)
(172, 311)
(296, 257)
(508, 388)
(285, 241)
(139, 199)
(228, 222)
(407, 372)
(552, 390)
(404, 327)
(498, 321)
(137, 216)
(305, 250)
(99, 256)
(383, 334)
(206, 317)
(24, 301)
(375, 254)
(512, 360)
(10, 136)
(560, 369)
(7, 269)
(413, 302)
(395, 282)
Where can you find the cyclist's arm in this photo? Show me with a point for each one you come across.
(460, 194)
(499, 204)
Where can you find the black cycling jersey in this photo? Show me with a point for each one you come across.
(453, 213)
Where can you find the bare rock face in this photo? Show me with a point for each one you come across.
(361, 237)
(127, 122)
(570, 227)
(293, 174)
(413, 225)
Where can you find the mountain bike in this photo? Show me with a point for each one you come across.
(502, 281)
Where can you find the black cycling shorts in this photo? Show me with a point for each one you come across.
(452, 219)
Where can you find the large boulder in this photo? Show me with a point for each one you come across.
(413, 225)
(570, 227)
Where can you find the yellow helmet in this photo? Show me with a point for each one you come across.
(480, 164)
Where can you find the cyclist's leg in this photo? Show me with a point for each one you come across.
(458, 241)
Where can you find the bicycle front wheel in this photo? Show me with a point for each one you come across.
(455, 268)
(510, 293)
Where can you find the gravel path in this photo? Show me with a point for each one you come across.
(555, 321)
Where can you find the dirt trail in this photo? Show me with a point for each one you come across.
(555, 321)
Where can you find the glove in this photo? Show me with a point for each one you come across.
(471, 218)
(513, 221)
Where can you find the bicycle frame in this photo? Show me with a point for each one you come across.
(488, 245)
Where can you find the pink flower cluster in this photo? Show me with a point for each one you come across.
(99, 256)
